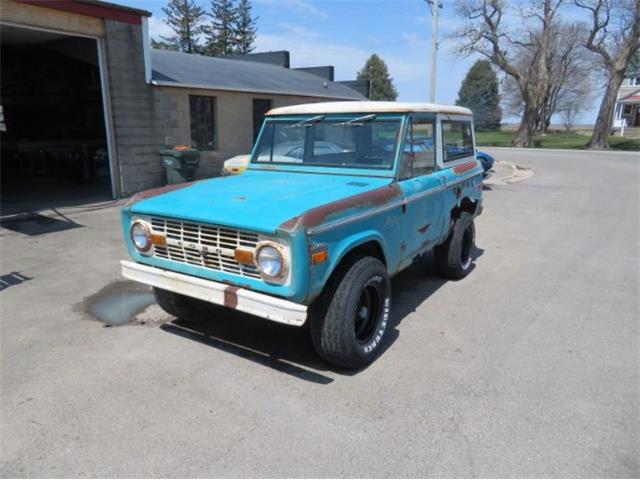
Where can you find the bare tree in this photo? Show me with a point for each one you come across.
(485, 33)
(615, 37)
(570, 69)
(571, 110)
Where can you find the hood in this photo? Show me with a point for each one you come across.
(257, 200)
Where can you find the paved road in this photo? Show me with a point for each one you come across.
(529, 367)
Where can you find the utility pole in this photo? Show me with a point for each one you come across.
(435, 6)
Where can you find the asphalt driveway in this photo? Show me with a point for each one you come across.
(528, 367)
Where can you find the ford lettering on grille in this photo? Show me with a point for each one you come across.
(207, 246)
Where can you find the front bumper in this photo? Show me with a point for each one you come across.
(236, 298)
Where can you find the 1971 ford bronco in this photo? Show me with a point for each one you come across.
(338, 197)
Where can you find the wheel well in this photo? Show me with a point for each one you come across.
(466, 205)
(367, 249)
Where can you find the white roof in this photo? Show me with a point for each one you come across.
(368, 107)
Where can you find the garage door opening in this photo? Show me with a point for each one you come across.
(53, 134)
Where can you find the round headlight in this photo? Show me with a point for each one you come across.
(140, 236)
(269, 261)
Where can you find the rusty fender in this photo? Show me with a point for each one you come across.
(319, 215)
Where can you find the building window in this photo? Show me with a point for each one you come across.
(634, 81)
(627, 110)
(203, 126)
(457, 140)
(260, 108)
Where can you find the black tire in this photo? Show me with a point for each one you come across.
(454, 256)
(349, 320)
(180, 306)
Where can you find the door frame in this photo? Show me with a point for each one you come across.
(104, 87)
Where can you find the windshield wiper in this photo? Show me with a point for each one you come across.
(358, 122)
(308, 121)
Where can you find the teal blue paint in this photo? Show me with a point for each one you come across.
(267, 196)
(250, 199)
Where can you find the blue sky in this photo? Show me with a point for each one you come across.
(345, 32)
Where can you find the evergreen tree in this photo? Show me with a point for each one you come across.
(245, 28)
(185, 18)
(376, 71)
(221, 32)
(479, 92)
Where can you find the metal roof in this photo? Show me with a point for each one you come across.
(176, 69)
(368, 107)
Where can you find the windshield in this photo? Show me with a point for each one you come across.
(362, 142)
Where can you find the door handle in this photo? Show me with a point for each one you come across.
(443, 181)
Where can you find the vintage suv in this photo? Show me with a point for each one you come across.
(338, 197)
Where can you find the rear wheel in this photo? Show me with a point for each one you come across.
(349, 320)
(181, 306)
(454, 256)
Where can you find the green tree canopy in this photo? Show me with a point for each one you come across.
(186, 19)
(479, 92)
(245, 28)
(376, 71)
(221, 32)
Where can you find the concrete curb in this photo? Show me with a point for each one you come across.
(559, 150)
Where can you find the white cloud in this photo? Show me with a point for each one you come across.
(298, 30)
(158, 28)
(306, 6)
(406, 69)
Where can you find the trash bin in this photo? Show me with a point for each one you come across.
(180, 163)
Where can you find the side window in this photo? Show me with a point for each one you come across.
(418, 157)
(203, 128)
(457, 140)
(423, 147)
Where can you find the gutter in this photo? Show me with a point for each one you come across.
(162, 83)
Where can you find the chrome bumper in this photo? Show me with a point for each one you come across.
(236, 298)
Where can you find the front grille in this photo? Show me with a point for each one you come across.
(207, 246)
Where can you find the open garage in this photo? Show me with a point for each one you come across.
(54, 138)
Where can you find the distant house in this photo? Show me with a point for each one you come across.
(86, 103)
(626, 117)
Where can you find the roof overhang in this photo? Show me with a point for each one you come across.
(630, 100)
(163, 83)
(94, 8)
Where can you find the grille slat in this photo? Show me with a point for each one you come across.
(209, 236)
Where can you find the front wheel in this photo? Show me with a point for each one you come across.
(180, 306)
(350, 319)
(454, 256)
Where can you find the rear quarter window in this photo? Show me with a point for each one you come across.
(457, 139)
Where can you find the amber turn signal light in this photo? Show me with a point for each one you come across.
(243, 256)
(320, 256)
(158, 239)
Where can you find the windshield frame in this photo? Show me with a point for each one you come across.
(337, 170)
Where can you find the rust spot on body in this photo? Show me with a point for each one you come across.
(424, 228)
(231, 297)
(465, 167)
(156, 191)
(316, 216)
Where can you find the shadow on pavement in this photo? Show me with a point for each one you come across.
(289, 349)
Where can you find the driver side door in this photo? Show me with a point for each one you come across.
(421, 185)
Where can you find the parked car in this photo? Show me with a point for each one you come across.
(315, 237)
(291, 150)
(486, 160)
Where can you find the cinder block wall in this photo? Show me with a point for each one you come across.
(234, 121)
(131, 98)
(145, 115)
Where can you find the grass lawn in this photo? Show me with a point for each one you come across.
(553, 140)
